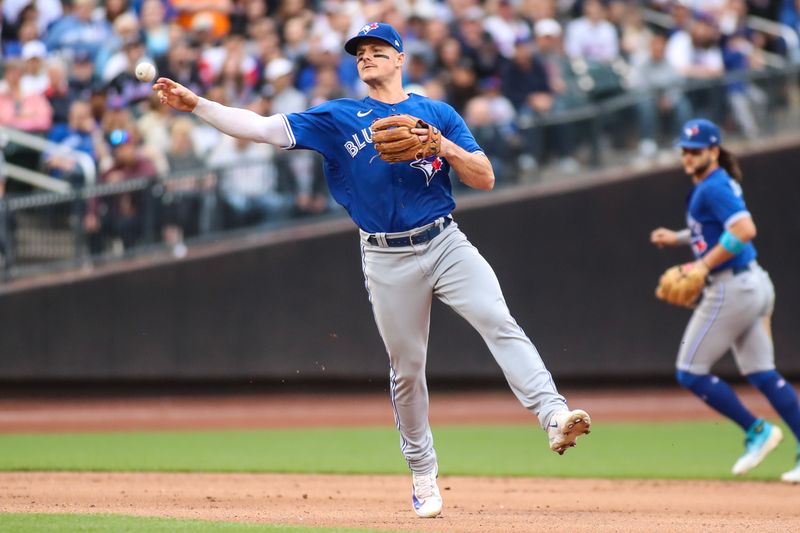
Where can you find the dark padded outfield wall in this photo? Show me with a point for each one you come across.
(576, 267)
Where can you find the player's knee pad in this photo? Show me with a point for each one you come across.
(690, 381)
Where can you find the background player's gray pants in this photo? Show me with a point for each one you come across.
(401, 283)
(733, 315)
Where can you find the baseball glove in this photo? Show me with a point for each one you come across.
(682, 284)
(394, 141)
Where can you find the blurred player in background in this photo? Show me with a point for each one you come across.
(736, 306)
(412, 249)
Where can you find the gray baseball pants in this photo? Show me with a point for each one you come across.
(733, 315)
(401, 282)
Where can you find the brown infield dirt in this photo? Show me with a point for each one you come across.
(485, 504)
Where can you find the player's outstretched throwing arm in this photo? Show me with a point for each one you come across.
(240, 123)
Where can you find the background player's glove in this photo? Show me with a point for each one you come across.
(682, 284)
(394, 141)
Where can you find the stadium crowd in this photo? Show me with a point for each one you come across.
(512, 68)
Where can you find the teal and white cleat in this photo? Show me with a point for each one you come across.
(761, 439)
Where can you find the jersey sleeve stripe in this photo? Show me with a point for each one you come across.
(736, 217)
(289, 133)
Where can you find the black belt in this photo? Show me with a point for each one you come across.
(416, 238)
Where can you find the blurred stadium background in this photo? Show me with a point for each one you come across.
(138, 244)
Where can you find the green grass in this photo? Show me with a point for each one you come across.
(43, 523)
(700, 450)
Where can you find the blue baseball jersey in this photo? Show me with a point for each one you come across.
(380, 196)
(714, 204)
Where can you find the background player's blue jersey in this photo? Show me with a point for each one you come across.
(380, 197)
(714, 204)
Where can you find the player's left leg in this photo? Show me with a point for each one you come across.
(465, 281)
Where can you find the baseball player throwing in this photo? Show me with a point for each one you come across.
(396, 188)
(736, 306)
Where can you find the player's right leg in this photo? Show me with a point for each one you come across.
(401, 302)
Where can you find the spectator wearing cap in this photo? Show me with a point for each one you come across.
(34, 56)
(527, 85)
(547, 33)
(563, 83)
(525, 81)
(118, 219)
(81, 77)
(592, 37)
(279, 75)
(78, 30)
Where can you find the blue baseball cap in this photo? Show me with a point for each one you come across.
(699, 133)
(375, 30)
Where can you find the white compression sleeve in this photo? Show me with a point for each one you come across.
(684, 236)
(243, 123)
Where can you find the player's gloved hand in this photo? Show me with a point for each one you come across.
(682, 284)
(393, 139)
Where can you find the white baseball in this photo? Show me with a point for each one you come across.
(145, 71)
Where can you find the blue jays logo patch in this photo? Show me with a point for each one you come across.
(691, 132)
(429, 167)
(369, 27)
